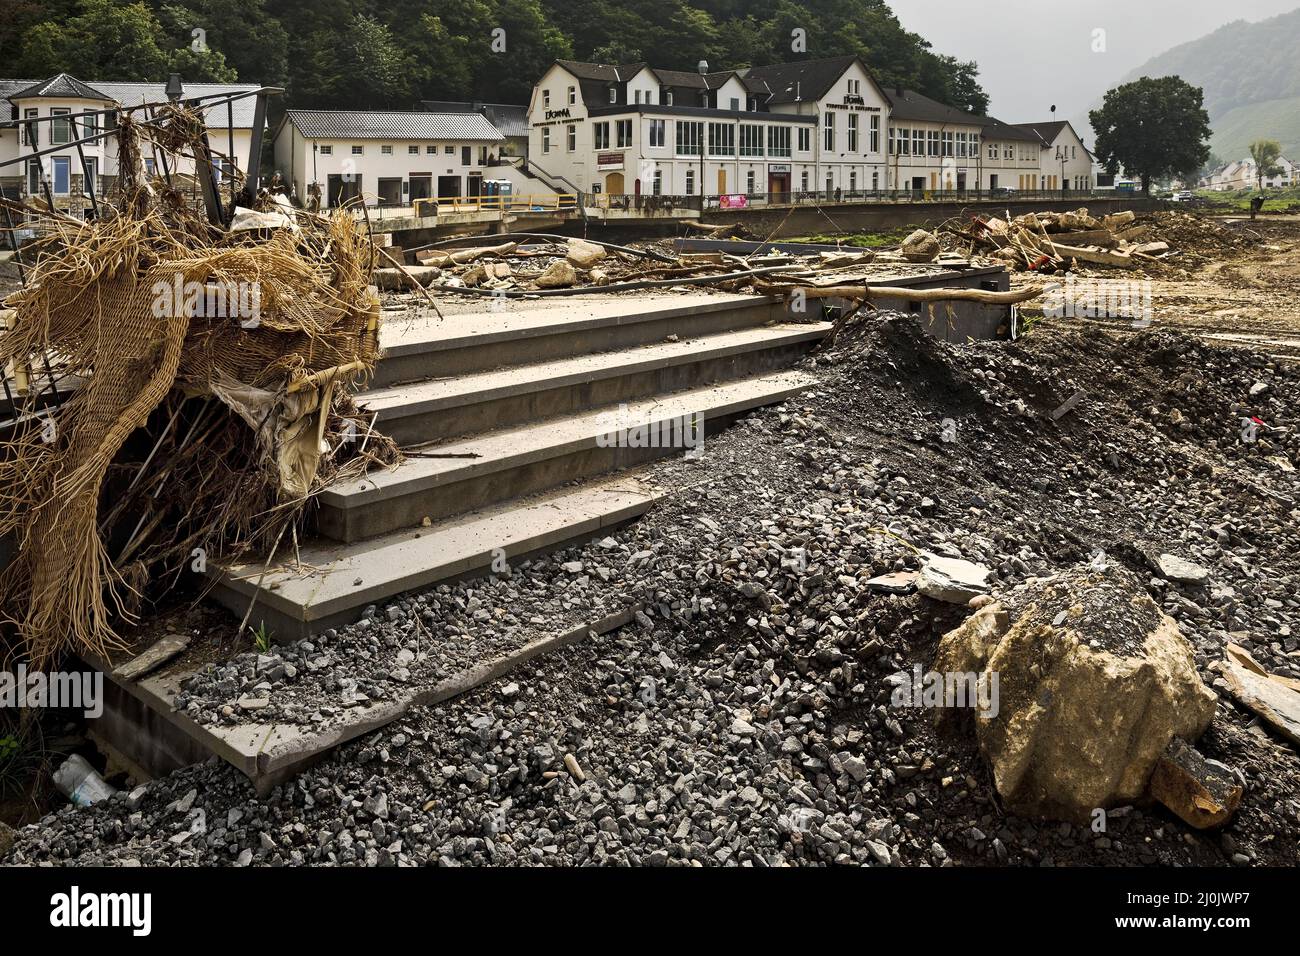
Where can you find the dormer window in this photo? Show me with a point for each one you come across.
(668, 97)
(613, 94)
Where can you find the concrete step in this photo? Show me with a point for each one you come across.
(466, 404)
(484, 339)
(335, 582)
(511, 462)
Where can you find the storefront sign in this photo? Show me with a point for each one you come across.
(609, 161)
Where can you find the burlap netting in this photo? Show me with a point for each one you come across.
(92, 302)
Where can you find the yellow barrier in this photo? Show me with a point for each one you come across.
(514, 202)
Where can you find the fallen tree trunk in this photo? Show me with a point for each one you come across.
(434, 257)
(903, 292)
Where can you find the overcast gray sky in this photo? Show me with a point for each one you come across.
(1033, 53)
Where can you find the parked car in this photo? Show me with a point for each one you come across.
(1002, 191)
(1182, 196)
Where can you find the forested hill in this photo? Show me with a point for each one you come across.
(360, 54)
(1250, 73)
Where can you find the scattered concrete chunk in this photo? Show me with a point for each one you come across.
(1201, 792)
(558, 275)
(952, 580)
(1174, 568)
(920, 246)
(897, 582)
(584, 254)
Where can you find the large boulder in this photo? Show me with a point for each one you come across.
(558, 275)
(1094, 682)
(920, 246)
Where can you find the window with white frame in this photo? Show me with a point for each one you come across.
(918, 142)
(91, 174)
(613, 94)
(961, 145)
(89, 122)
(386, 150)
(932, 142)
(805, 139)
(749, 182)
(947, 143)
(853, 180)
(993, 150)
(637, 96)
(431, 150)
(546, 139)
(830, 182)
(600, 135)
(449, 150)
(891, 141)
(658, 133)
(803, 180)
(668, 97)
(327, 150)
(35, 127)
(690, 182)
(722, 139)
(735, 104)
(828, 142)
(904, 141)
(875, 133)
(572, 137)
(34, 176)
(751, 140)
(546, 99)
(778, 141)
(358, 150)
(573, 96)
(853, 132)
(60, 129)
(658, 183)
(624, 133)
(690, 138)
(413, 150)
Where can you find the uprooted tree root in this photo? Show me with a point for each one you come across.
(236, 418)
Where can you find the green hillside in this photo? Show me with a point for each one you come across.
(1273, 119)
(1250, 73)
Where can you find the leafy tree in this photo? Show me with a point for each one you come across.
(1266, 153)
(105, 41)
(1152, 128)
(242, 32)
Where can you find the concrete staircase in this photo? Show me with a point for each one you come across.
(506, 418)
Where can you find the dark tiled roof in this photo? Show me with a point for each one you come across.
(911, 105)
(510, 119)
(996, 129)
(605, 72)
(1047, 132)
(354, 124)
(698, 81)
(810, 78)
(62, 86)
(134, 94)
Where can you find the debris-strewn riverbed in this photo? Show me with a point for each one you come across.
(745, 717)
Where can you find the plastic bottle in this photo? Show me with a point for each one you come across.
(81, 783)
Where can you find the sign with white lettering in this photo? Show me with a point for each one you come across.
(609, 161)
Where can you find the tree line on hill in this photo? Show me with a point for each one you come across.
(361, 54)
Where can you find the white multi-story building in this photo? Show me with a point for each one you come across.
(1066, 162)
(632, 130)
(389, 159)
(1243, 174)
(70, 109)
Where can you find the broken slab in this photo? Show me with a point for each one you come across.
(1274, 699)
(154, 657)
(952, 579)
(897, 582)
(1203, 793)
